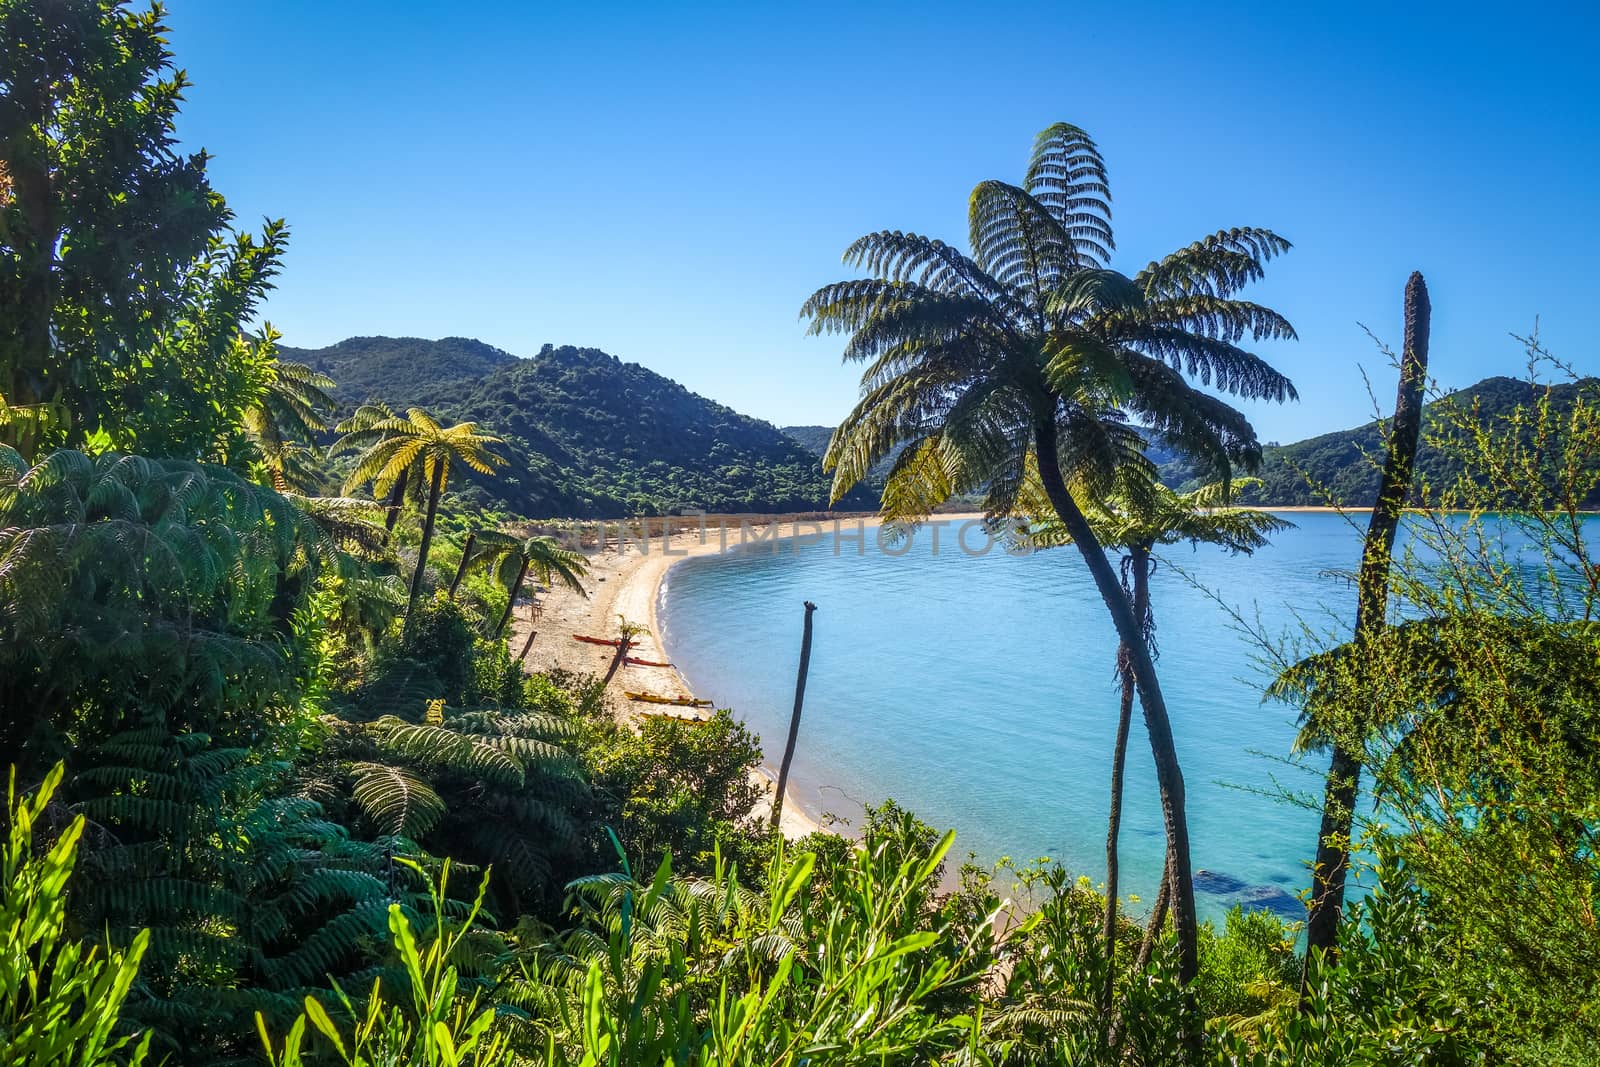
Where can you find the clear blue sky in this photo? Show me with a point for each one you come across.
(669, 182)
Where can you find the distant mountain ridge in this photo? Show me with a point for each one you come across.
(1335, 467)
(1344, 465)
(587, 435)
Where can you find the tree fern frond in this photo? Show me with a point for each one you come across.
(396, 799)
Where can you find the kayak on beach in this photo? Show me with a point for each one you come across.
(645, 662)
(611, 642)
(681, 702)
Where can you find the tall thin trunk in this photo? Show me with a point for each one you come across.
(1169, 776)
(1158, 918)
(1139, 561)
(427, 538)
(466, 557)
(397, 497)
(794, 720)
(1372, 594)
(523, 655)
(511, 602)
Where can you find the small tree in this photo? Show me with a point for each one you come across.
(418, 446)
(123, 293)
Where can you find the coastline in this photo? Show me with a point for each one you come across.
(626, 579)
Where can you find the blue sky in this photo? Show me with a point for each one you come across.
(669, 182)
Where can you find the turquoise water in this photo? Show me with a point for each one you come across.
(979, 692)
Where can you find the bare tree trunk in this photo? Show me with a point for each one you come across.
(516, 589)
(1169, 775)
(461, 570)
(1139, 561)
(1372, 594)
(427, 538)
(532, 633)
(794, 720)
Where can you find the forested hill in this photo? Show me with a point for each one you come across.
(813, 438)
(587, 435)
(397, 369)
(1344, 464)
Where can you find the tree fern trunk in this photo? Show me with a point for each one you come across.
(397, 497)
(1119, 759)
(461, 570)
(1169, 775)
(1372, 595)
(516, 589)
(427, 538)
(794, 720)
(1158, 918)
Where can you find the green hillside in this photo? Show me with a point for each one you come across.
(813, 439)
(588, 435)
(396, 369)
(1344, 465)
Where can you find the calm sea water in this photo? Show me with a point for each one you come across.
(979, 692)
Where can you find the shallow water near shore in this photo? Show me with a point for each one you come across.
(978, 691)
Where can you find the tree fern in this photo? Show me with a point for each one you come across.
(491, 788)
(1030, 350)
(134, 589)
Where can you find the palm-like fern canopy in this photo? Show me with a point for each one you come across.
(545, 559)
(969, 355)
(1140, 513)
(394, 445)
(287, 420)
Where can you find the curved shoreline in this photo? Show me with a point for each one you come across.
(626, 580)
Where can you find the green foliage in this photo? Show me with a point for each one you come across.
(679, 789)
(1386, 1002)
(1249, 968)
(286, 419)
(125, 293)
(431, 658)
(435, 1026)
(136, 590)
(1475, 717)
(486, 787)
(972, 361)
(59, 996)
(400, 370)
(260, 764)
(247, 891)
(711, 972)
(415, 450)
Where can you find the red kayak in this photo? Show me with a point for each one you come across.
(611, 643)
(645, 662)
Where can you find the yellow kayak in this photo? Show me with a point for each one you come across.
(679, 702)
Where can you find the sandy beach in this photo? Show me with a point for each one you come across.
(625, 580)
